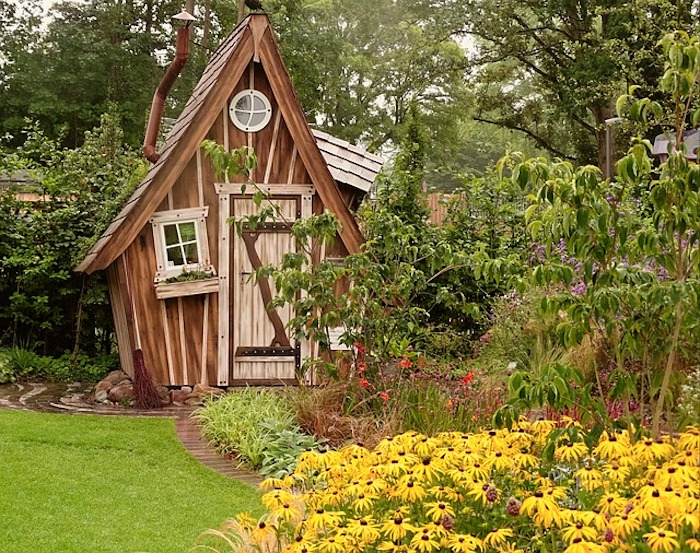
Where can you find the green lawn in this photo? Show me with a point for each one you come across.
(72, 483)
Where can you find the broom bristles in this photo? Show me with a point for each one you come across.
(146, 395)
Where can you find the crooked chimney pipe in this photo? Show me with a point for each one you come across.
(154, 118)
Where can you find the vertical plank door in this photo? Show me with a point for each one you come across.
(262, 350)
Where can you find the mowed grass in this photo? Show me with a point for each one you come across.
(73, 483)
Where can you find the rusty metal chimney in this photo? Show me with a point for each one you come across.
(181, 55)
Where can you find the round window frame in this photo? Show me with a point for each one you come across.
(253, 94)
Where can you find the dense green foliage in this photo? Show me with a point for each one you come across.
(111, 484)
(258, 428)
(44, 305)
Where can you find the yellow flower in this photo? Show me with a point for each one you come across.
(590, 478)
(648, 450)
(498, 537)
(580, 546)
(408, 489)
(364, 530)
(543, 509)
(612, 446)
(690, 440)
(616, 473)
(624, 525)
(321, 519)
(424, 540)
(580, 531)
(397, 527)
(437, 510)
(364, 502)
(693, 544)
(497, 461)
(427, 469)
(570, 452)
(612, 503)
(464, 543)
(662, 540)
(333, 544)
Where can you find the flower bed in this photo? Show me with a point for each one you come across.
(489, 491)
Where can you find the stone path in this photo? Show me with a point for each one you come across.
(74, 398)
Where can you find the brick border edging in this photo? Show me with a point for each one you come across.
(191, 437)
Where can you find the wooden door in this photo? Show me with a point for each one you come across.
(262, 351)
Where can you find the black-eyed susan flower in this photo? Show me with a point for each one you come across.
(364, 529)
(626, 524)
(464, 543)
(693, 544)
(425, 540)
(612, 446)
(438, 509)
(397, 527)
(580, 531)
(498, 537)
(612, 503)
(579, 545)
(660, 539)
(409, 490)
(321, 519)
(570, 451)
(648, 450)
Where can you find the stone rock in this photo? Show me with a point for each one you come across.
(103, 386)
(116, 377)
(187, 389)
(193, 400)
(204, 390)
(121, 393)
(164, 394)
(101, 396)
(179, 396)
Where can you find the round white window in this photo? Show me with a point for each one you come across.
(250, 110)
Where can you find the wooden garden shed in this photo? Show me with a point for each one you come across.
(219, 330)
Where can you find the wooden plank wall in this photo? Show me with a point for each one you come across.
(180, 336)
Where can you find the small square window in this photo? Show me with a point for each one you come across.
(180, 238)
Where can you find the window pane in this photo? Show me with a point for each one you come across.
(243, 103)
(243, 117)
(191, 253)
(258, 104)
(175, 256)
(187, 232)
(256, 119)
(170, 234)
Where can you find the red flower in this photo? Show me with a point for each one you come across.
(359, 347)
(405, 363)
(384, 396)
(364, 383)
(361, 368)
(467, 378)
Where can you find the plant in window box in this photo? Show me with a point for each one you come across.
(189, 282)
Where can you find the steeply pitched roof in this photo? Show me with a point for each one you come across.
(347, 163)
(252, 39)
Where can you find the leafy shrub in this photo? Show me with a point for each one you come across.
(6, 372)
(284, 445)
(488, 491)
(23, 363)
(246, 422)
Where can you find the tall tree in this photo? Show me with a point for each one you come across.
(552, 69)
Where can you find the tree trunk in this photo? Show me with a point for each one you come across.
(241, 11)
(601, 113)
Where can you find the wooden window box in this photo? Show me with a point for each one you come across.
(187, 288)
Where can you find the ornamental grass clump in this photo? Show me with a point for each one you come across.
(490, 491)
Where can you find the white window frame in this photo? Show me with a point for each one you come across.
(196, 215)
(252, 93)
